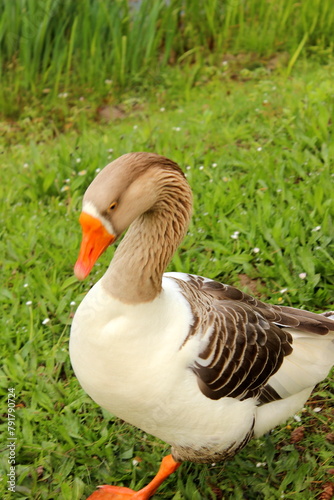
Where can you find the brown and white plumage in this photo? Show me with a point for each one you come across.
(199, 364)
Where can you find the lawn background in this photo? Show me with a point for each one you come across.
(240, 94)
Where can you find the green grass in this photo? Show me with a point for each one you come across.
(105, 46)
(258, 151)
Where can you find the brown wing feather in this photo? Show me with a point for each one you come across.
(248, 340)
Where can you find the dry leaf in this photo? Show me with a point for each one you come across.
(297, 434)
(327, 491)
(330, 437)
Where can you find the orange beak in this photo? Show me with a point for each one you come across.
(95, 240)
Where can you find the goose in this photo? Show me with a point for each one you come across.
(200, 365)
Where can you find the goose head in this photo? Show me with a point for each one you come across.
(130, 186)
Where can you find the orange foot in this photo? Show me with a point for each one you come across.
(167, 467)
(107, 492)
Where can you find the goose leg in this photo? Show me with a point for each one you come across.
(167, 467)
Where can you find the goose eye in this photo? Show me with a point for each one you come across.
(112, 206)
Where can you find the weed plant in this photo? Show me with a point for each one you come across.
(52, 47)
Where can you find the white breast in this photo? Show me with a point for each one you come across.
(130, 360)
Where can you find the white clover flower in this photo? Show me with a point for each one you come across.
(317, 228)
(283, 290)
(25, 165)
(256, 250)
(45, 321)
(72, 303)
(108, 82)
(317, 409)
(29, 303)
(162, 110)
(259, 148)
(297, 418)
(302, 275)
(78, 160)
(25, 285)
